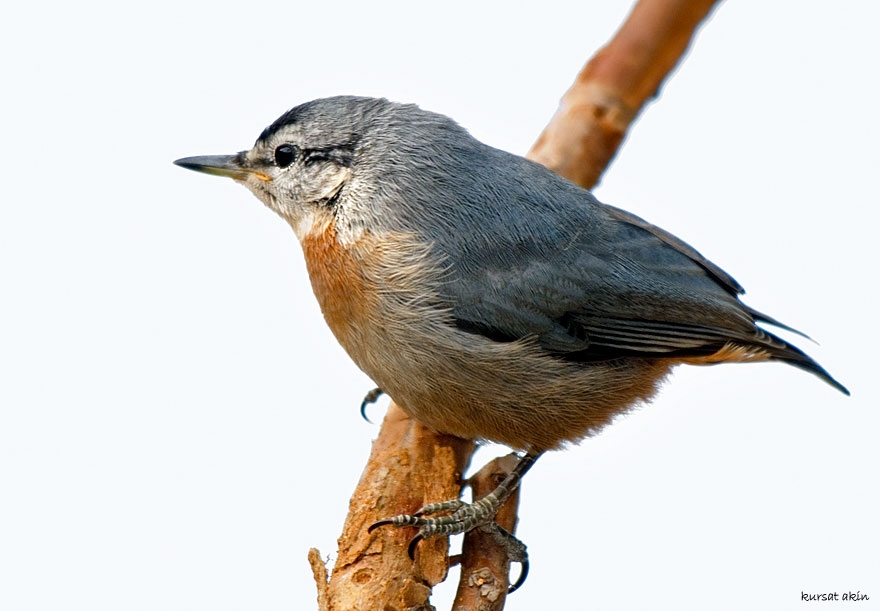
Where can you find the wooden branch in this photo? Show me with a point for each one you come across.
(410, 465)
(595, 114)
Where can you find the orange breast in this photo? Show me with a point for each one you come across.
(338, 283)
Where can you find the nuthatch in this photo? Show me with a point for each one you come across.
(490, 298)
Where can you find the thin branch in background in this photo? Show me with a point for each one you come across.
(608, 94)
(484, 564)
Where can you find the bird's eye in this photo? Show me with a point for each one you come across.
(285, 155)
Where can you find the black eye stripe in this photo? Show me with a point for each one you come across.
(285, 155)
(338, 154)
(313, 155)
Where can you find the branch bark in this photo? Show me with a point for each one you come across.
(595, 114)
(411, 465)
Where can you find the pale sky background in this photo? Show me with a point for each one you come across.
(177, 425)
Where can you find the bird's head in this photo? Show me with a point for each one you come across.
(301, 164)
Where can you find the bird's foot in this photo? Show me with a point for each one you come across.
(462, 517)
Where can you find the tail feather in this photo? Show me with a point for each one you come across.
(761, 317)
(780, 350)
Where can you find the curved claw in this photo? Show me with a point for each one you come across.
(523, 573)
(411, 550)
(370, 398)
(376, 525)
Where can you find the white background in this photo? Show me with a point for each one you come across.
(177, 425)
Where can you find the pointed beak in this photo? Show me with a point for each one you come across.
(220, 165)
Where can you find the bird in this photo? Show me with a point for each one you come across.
(490, 298)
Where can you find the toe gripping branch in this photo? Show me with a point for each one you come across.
(463, 517)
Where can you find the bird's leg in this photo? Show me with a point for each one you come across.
(467, 516)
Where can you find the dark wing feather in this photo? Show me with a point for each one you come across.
(580, 276)
(594, 282)
(615, 289)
